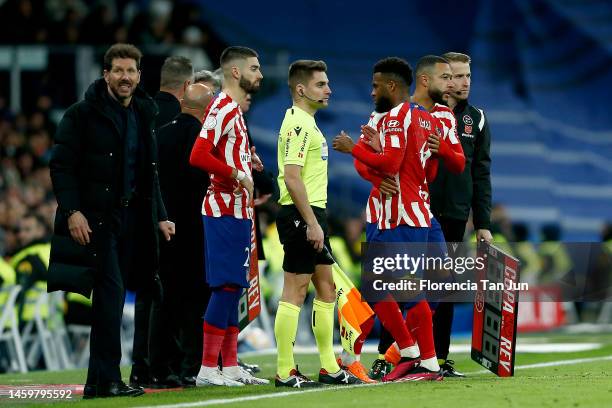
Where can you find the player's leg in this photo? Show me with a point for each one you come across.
(225, 272)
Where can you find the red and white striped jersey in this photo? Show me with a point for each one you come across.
(225, 128)
(405, 130)
(447, 118)
(450, 149)
(373, 205)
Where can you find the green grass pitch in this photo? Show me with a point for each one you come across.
(579, 384)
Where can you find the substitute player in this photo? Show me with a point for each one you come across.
(223, 150)
(433, 84)
(387, 311)
(404, 217)
(302, 227)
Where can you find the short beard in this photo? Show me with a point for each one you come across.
(437, 96)
(383, 104)
(248, 87)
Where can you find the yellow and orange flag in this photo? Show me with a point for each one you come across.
(352, 311)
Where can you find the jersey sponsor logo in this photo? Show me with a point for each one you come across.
(210, 122)
(469, 136)
(467, 119)
(393, 123)
(394, 130)
(425, 124)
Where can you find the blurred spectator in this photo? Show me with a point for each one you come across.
(31, 263)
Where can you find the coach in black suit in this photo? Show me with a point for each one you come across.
(179, 317)
(104, 175)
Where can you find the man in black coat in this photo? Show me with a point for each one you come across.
(176, 75)
(104, 175)
(454, 195)
(178, 319)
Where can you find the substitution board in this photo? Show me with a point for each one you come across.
(495, 311)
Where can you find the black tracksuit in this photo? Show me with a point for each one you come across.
(454, 195)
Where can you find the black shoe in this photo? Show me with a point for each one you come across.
(139, 381)
(296, 380)
(251, 368)
(379, 369)
(89, 391)
(118, 389)
(171, 381)
(339, 378)
(188, 381)
(448, 370)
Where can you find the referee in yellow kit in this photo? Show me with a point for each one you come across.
(302, 228)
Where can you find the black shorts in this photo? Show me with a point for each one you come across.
(300, 255)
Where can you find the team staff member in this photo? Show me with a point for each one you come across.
(302, 227)
(454, 195)
(176, 75)
(177, 319)
(104, 175)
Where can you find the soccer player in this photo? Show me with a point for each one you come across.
(223, 150)
(453, 195)
(388, 312)
(433, 83)
(404, 217)
(302, 228)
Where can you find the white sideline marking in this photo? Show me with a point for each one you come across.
(290, 393)
(521, 347)
(551, 364)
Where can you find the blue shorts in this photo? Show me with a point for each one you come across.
(371, 228)
(228, 250)
(436, 244)
(402, 233)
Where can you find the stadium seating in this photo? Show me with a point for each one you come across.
(539, 68)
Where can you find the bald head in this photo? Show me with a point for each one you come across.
(196, 99)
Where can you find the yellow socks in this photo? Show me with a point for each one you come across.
(323, 329)
(285, 328)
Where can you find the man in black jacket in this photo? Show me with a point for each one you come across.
(176, 75)
(454, 195)
(178, 318)
(104, 175)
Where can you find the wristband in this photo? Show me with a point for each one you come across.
(240, 175)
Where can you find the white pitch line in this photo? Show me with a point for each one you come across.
(551, 364)
(290, 393)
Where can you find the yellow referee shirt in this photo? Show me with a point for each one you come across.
(301, 142)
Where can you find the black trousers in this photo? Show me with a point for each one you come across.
(176, 337)
(113, 248)
(140, 348)
(453, 230)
